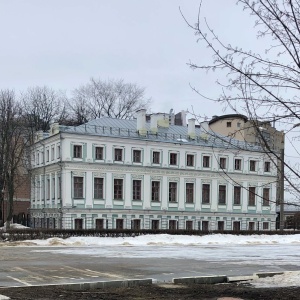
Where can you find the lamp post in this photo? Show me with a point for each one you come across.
(2, 196)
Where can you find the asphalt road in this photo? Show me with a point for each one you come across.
(25, 266)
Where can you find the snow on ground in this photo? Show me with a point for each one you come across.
(14, 226)
(168, 240)
(284, 280)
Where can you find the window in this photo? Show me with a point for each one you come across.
(99, 153)
(222, 163)
(47, 155)
(252, 165)
(78, 224)
(136, 224)
(267, 166)
(266, 197)
(173, 159)
(190, 160)
(155, 191)
(98, 188)
(118, 154)
(222, 194)
(172, 191)
(237, 164)
(78, 187)
(99, 224)
(53, 188)
(205, 193)
(137, 156)
(251, 226)
(172, 224)
(238, 124)
(155, 157)
(58, 151)
(42, 157)
(119, 224)
(205, 225)
(155, 224)
(48, 189)
(189, 190)
(228, 124)
(59, 187)
(237, 195)
(206, 161)
(251, 195)
(221, 225)
(236, 226)
(136, 189)
(265, 225)
(77, 151)
(118, 189)
(189, 225)
(52, 153)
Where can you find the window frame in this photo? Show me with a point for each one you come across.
(237, 164)
(136, 190)
(206, 161)
(190, 160)
(252, 165)
(118, 154)
(78, 187)
(98, 191)
(266, 197)
(99, 154)
(267, 167)
(156, 157)
(251, 195)
(189, 192)
(155, 191)
(136, 155)
(77, 151)
(173, 189)
(173, 159)
(223, 163)
(237, 192)
(222, 194)
(118, 189)
(205, 192)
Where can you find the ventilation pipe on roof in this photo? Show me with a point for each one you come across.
(141, 121)
(191, 128)
(153, 123)
(183, 117)
(204, 129)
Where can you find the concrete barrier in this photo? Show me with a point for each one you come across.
(267, 274)
(240, 278)
(201, 279)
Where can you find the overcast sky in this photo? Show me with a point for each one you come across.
(62, 43)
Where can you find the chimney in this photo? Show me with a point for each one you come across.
(153, 123)
(204, 130)
(54, 128)
(141, 121)
(191, 129)
(183, 117)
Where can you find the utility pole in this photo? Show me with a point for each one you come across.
(281, 185)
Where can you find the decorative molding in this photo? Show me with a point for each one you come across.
(136, 176)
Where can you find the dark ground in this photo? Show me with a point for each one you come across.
(162, 291)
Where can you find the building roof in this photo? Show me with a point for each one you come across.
(230, 116)
(110, 127)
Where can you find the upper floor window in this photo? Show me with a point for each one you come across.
(206, 161)
(222, 163)
(205, 193)
(190, 160)
(155, 191)
(189, 190)
(252, 165)
(251, 195)
(47, 155)
(173, 159)
(155, 157)
(52, 153)
(98, 188)
(228, 124)
(222, 194)
(137, 156)
(172, 191)
(58, 151)
(266, 197)
(267, 166)
(99, 153)
(137, 190)
(77, 151)
(237, 164)
(118, 189)
(118, 154)
(237, 195)
(78, 187)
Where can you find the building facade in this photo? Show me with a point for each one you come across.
(112, 173)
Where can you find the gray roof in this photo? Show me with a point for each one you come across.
(173, 134)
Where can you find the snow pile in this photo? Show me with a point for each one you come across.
(283, 280)
(173, 240)
(14, 226)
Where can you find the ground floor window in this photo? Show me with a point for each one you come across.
(78, 224)
(99, 224)
(236, 226)
(205, 225)
(172, 224)
(136, 224)
(265, 225)
(119, 224)
(220, 225)
(155, 224)
(189, 225)
(251, 226)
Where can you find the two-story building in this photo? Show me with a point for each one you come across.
(113, 173)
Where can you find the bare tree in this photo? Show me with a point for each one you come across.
(265, 85)
(112, 98)
(42, 105)
(13, 143)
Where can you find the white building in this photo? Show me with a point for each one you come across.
(112, 173)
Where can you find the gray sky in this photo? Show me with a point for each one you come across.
(62, 43)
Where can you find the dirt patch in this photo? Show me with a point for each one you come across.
(165, 291)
